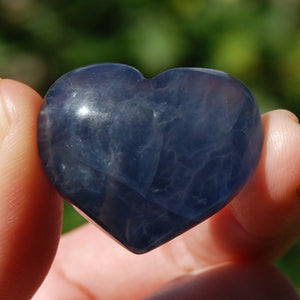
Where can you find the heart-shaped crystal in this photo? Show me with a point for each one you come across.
(147, 159)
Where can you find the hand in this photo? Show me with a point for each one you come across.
(226, 257)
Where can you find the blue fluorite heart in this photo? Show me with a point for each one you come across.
(147, 159)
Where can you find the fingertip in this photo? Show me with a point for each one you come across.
(269, 206)
(17, 90)
(30, 210)
(282, 164)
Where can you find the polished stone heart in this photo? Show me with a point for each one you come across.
(147, 159)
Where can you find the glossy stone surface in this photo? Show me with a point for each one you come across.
(147, 159)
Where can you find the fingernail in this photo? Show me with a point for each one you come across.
(4, 119)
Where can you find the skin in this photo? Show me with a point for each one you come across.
(226, 257)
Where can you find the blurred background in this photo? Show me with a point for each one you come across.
(256, 41)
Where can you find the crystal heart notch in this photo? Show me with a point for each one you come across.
(147, 159)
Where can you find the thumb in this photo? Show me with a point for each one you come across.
(30, 210)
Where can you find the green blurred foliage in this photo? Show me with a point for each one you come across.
(72, 218)
(254, 40)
